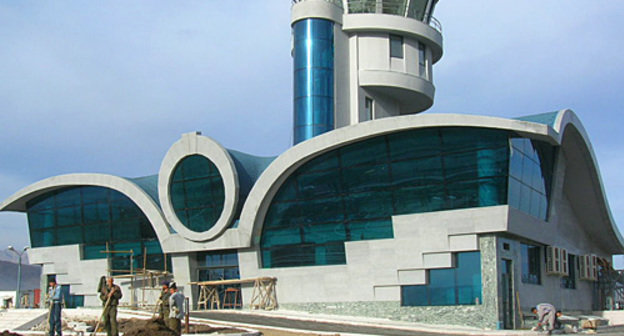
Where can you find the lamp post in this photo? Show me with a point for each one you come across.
(19, 273)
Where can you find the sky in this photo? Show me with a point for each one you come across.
(109, 86)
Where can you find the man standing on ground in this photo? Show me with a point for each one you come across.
(55, 299)
(163, 303)
(176, 305)
(545, 315)
(110, 296)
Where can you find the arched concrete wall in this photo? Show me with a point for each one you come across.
(262, 193)
(17, 201)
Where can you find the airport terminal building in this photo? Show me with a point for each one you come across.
(376, 210)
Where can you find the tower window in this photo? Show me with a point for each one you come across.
(396, 46)
(422, 61)
(368, 106)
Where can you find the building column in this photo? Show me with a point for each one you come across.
(184, 271)
(490, 281)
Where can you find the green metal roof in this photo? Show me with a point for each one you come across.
(149, 184)
(547, 118)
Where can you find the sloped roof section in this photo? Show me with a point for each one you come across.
(548, 118)
(249, 168)
(149, 184)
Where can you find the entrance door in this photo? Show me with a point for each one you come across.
(507, 293)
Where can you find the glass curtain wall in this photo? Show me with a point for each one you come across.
(350, 193)
(197, 193)
(530, 176)
(222, 265)
(313, 55)
(460, 285)
(94, 217)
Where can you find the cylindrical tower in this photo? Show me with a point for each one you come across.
(357, 60)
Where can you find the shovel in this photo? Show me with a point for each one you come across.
(97, 325)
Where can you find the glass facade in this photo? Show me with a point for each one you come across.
(414, 9)
(197, 193)
(460, 285)
(531, 264)
(313, 55)
(94, 217)
(222, 265)
(530, 176)
(71, 301)
(350, 193)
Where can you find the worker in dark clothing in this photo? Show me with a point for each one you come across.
(110, 295)
(163, 303)
(55, 298)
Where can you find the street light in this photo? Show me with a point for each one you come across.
(19, 273)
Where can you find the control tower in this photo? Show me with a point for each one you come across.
(357, 60)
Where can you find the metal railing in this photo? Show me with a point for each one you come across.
(335, 2)
(393, 7)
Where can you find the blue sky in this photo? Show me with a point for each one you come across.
(108, 86)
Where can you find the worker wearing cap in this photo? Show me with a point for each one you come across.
(163, 303)
(55, 298)
(176, 306)
(110, 296)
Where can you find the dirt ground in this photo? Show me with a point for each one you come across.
(8, 333)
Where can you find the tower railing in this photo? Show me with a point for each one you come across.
(392, 7)
(335, 2)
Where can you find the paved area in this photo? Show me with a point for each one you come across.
(12, 319)
(359, 326)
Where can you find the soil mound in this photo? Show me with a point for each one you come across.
(8, 333)
(138, 327)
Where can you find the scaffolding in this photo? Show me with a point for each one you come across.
(610, 286)
(142, 279)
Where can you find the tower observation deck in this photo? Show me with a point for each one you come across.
(358, 60)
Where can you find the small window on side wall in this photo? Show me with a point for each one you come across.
(396, 46)
(369, 106)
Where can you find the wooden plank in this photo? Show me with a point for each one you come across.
(230, 282)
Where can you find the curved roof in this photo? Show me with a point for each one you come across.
(559, 128)
(143, 200)
(264, 175)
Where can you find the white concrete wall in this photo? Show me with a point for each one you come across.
(375, 269)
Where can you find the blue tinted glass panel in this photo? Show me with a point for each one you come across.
(460, 285)
(530, 165)
(313, 55)
(197, 193)
(355, 189)
(92, 217)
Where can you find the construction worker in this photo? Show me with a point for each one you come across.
(55, 299)
(176, 306)
(545, 316)
(110, 295)
(163, 303)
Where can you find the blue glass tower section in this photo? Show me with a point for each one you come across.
(314, 78)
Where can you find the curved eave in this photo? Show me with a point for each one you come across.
(369, 22)
(17, 201)
(584, 182)
(269, 182)
(415, 93)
